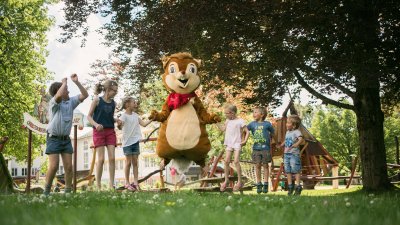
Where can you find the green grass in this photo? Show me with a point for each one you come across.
(323, 207)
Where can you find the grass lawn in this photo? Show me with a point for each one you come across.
(191, 208)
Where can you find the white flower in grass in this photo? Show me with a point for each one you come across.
(156, 196)
(314, 206)
(371, 195)
(348, 204)
(68, 195)
(179, 200)
(228, 208)
(149, 202)
(114, 197)
(42, 196)
(281, 199)
(325, 202)
(346, 199)
(167, 211)
(230, 197)
(266, 198)
(240, 200)
(371, 202)
(204, 204)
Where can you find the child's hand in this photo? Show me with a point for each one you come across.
(64, 80)
(74, 77)
(99, 127)
(243, 143)
(120, 123)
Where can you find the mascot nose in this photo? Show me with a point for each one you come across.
(183, 72)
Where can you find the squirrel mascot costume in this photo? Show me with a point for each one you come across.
(182, 136)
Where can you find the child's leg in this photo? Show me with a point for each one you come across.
(297, 175)
(128, 160)
(135, 165)
(51, 171)
(67, 162)
(226, 167)
(258, 173)
(237, 165)
(99, 167)
(266, 172)
(111, 164)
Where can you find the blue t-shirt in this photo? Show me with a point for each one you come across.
(104, 113)
(61, 115)
(291, 137)
(262, 132)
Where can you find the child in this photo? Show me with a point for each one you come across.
(101, 116)
(58, 143)
(130, 139)
(233, 127)
(291, 158)
(262, 132)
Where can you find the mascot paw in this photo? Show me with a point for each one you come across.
(153, 115)
(216, 118)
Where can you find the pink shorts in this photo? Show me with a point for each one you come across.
(105, 137)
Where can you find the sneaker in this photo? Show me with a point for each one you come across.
(298, 189)
(259, 187)
(290, 189)
(265, 187)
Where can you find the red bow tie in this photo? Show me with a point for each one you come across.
(176, 100)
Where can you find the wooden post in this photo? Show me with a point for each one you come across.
(335, 173)
(28, 182)
(75, 155)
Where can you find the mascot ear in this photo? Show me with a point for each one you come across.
(198, 61)
(165, 60)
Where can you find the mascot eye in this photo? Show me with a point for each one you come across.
(192, 68)
(172, 69)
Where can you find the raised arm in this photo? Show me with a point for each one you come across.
(61, 91)
(144, 123)
(84, 94)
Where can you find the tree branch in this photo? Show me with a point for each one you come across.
(336, 84)
(324, 99)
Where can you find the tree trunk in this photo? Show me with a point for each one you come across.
(371, 138)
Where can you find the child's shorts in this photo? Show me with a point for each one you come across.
(105, 137)
(292, 163)
(58, 145)
(261, 156)
(233, 147)
(132, 149)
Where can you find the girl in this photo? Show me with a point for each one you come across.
(233, 127)
(101, 116)
(130, 139)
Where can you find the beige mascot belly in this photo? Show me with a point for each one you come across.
(183, 130)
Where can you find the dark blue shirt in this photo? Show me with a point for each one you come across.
(104, 113)
(262, 132)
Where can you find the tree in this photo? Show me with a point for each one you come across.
(344, 47)
(23, 26)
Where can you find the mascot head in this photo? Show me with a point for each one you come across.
(180, 73)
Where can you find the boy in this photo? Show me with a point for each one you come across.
(291, 156)
(262, 132)
(58, 143)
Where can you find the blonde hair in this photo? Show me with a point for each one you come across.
(107, 84)
(295, 120)
(230, 107)
(262, 110)
(126, 100)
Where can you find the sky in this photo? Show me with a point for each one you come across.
(67, 58)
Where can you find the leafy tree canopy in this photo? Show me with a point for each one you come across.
(23, 26)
